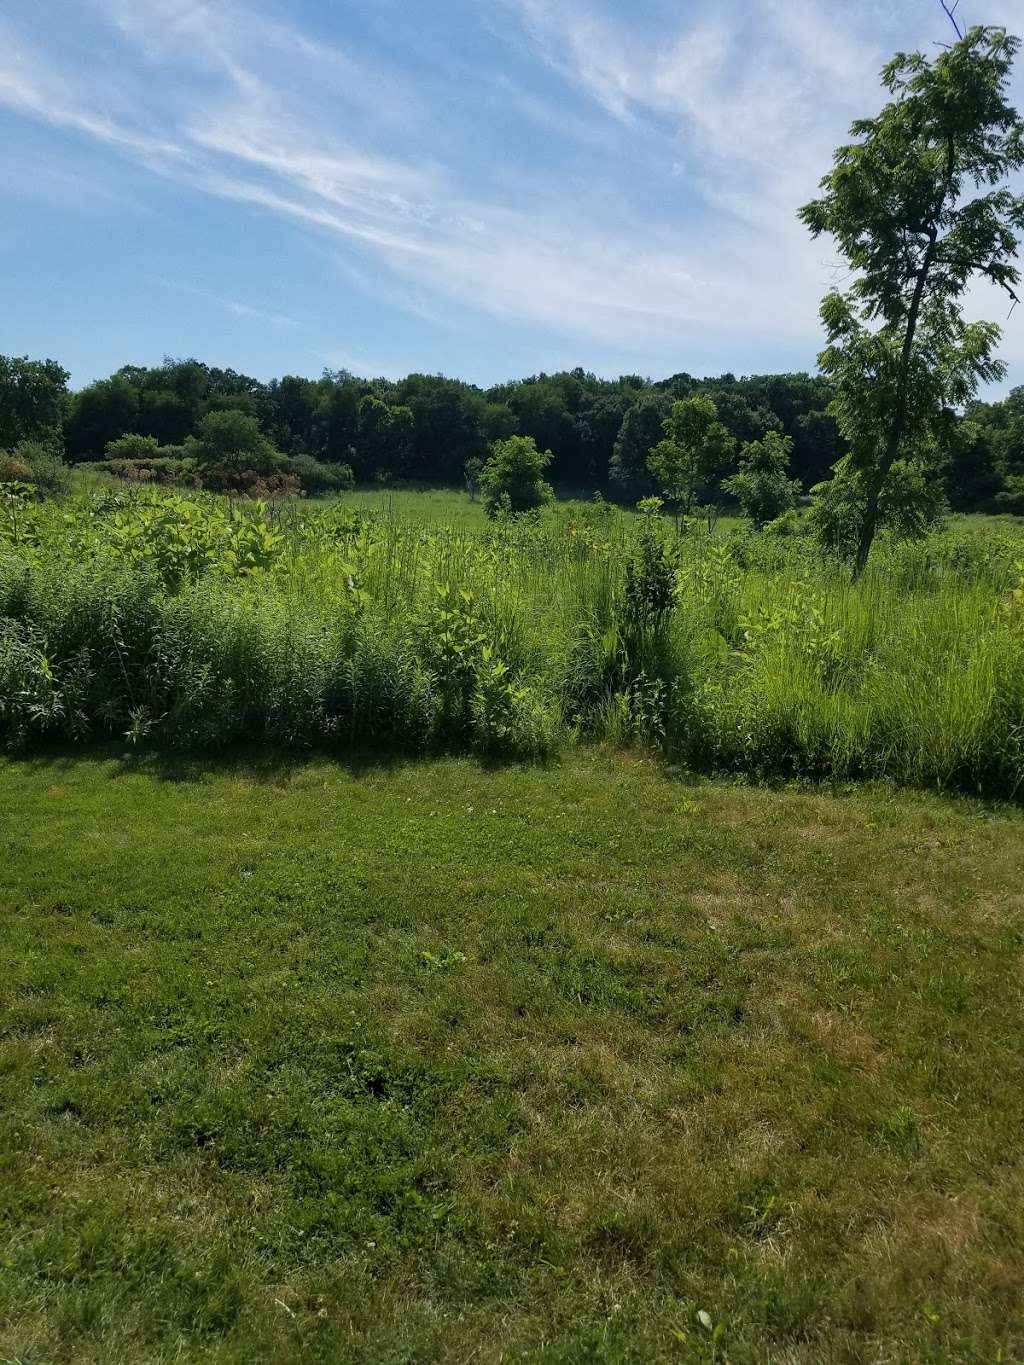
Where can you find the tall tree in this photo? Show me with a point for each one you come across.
(513, 477)
(902, 203)
(384, 440)
(696, 450)
(32, 398)
(99, 414)
(230, 442)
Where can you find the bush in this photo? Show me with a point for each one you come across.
(13, 471)
(141, 459)
(763, 487)
(37, 463)
(1011, 497)
(165, 469)
(232, 454)
(513, 477)
(250, 483)
(317, 477)
(133, 448)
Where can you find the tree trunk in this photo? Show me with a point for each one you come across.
(869, 525)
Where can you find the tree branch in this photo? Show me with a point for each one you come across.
(951, 15)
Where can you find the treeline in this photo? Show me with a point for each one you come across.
(427, 427)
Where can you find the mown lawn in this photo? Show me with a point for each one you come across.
(587, 1063)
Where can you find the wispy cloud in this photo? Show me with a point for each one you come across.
(31, 86)
(233, 306)
(687, 143)
(552, 267)
(364, 367)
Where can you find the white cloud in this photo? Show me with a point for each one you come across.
(705, 136)
(30, 86)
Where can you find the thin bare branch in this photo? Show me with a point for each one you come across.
(951, 15)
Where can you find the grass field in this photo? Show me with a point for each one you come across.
(428, 1062)
(427, 506)
(438, 507)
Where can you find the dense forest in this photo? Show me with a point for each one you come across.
(428, 427)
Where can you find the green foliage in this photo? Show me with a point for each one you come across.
(426, 427)
(513, 477)
(164, 469)
(131, 446)
(696, 451)
(472, 471)
(317, 477)
(910, 503)
(99, 414)
(642, 428)
(37, 463)
(899, 204)
(384, 441)
(762, 486)
(449, 423)
(230, 444)
(33, 394)
(651, 575)
(196, 621)
(1010, 497)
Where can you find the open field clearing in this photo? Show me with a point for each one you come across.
(431, 1062)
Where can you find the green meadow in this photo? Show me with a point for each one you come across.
(570, 938)
(426, 1060)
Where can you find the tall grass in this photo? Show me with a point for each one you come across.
(194, 622)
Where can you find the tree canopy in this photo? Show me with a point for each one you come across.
(696, 451)
(429, 427)
(32, 400)
(600, 431)
(917, 206)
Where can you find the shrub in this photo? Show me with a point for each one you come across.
(249, 483)
(37, 463)
(1011, 497)
(133, 448)
(13, 471)
(164, 469)
(651, 577)
(514, 477)
(762, 486)
(317, 477)
(231, 452)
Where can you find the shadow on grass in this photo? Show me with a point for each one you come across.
(276, 766)
(265, 763)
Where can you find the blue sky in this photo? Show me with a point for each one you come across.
(486, 188)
